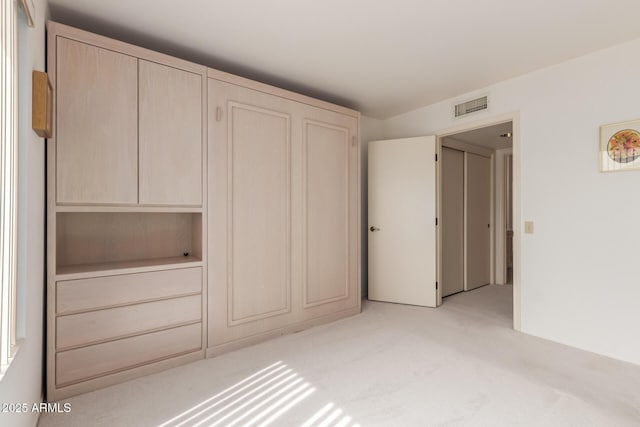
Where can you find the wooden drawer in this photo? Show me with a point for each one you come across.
(102, 359)
(99, 292)
(101, 325)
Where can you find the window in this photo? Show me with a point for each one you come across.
(8, 178)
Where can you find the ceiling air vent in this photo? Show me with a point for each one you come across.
(472, 106)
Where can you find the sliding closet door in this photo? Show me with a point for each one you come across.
(478, 221)
(452, 221)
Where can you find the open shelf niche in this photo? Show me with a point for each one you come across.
(101, 241)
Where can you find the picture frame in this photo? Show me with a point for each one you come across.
(41, 104)
(620, 146)
(30, 11)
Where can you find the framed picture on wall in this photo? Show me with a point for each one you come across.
(620, 146)
(30, 11)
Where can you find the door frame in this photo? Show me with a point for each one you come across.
(514, 118)
(507, 199)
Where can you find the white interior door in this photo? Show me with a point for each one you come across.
(402, 211)
(452, 220)
(478, 221)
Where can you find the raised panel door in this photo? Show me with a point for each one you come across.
(250, 210)
(96, 125)
(259, 205)
(330, 202)
(170, 135)
(326, 212)
(283, 215)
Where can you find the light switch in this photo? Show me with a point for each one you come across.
(528, 227)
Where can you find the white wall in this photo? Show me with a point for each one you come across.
(370, 130)
(22, 383)
(579, 273)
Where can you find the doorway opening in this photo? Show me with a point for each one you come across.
(476, 208)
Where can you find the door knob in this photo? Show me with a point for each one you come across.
(372, 228)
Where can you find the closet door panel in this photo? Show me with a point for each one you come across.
(250, 237)
(259, 203)
(170, 135)
(330, 206)
(283, 217)
(97, 125)
(326, 217)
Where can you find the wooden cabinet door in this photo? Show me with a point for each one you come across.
(170, 135)
(329, 211)
(96, 125)
(250, 165)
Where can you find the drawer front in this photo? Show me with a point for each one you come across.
(102, 359)
(89, 294)
(100, 325)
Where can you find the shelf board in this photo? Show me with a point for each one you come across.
(128, 209)
(81, 271)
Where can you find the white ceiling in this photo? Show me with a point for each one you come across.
(381, 57)
(488, 137)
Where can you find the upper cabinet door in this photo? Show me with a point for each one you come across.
(170, 135)
(97, 125)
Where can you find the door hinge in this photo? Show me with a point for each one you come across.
(436, 220)
(436, 286)
(218, 114)
(436, 157)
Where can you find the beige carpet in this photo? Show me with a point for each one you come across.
(393, 365)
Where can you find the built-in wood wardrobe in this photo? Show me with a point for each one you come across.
(190, 212)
